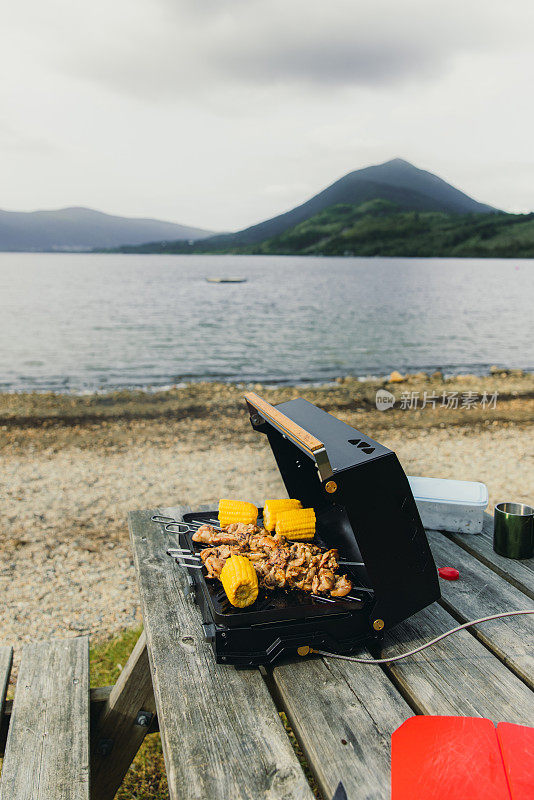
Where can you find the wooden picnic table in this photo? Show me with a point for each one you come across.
(221, 728)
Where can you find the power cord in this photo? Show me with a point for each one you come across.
(422, 646)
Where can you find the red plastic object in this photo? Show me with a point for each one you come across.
(517, 748)
(448, 573)
(447, 758)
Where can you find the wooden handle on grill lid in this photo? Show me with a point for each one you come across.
(284, 424)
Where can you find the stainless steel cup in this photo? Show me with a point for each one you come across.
(513, 530)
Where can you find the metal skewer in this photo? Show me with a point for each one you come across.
(167, 522)
(205, 522)
(182, 552)
(179, 527)
(171, 521)
(183, 560)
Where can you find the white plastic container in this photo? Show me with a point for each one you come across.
(445, 505)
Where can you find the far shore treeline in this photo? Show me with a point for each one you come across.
(390, 209)
(381, 228)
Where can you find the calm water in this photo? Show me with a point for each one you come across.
(82, 322)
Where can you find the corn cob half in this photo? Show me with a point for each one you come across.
(237, 511)
(272, 508)
(239, 581)
(297, 523)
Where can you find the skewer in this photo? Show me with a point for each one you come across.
(212, 523)
(205, 522)
(182, 556)
(178, 552)
(183, 552)
(167, 522)
(188, 526)
(181, 527)
(182, 559)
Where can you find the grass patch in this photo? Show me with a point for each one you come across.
(146, 778)
(108, 658)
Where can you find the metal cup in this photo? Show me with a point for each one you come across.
(513, 530)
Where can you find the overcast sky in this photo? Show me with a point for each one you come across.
(220, 113)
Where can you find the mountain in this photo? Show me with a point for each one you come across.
(84, 229)
(381, 228)
(395, 181)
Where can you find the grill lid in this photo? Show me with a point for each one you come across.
(362, 499)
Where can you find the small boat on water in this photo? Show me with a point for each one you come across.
(226, 280)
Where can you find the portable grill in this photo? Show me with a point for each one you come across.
(364, 507)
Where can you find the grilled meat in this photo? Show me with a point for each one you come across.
(214, 565)
(233, 534)
(278, 562)
(342, 587)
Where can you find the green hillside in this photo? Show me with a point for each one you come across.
(381, 228)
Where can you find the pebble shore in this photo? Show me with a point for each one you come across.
(72, 468)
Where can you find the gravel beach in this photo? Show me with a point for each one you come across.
(72, 468)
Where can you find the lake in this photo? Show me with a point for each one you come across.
(82, 322)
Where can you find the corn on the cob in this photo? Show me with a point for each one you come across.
(239, 581)
(297, 523)
(272, 508)
(237, 511)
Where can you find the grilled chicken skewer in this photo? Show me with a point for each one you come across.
(278, 562)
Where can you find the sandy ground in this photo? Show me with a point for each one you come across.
(70, 478)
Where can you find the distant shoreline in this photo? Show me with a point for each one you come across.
(448, 374)
(247, 254)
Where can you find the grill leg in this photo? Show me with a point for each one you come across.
(124, 722)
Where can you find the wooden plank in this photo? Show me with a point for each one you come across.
(480, 592)
(457, 676)
(98, 697)
(343, 715)
(518, 572)
(47, 750)
(118, 735)
(221, 733)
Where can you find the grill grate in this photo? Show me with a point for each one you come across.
(271, 606)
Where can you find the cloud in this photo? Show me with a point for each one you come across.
(224, 112)
(344, 62)
(164, 49)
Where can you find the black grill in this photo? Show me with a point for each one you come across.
(364, 507)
